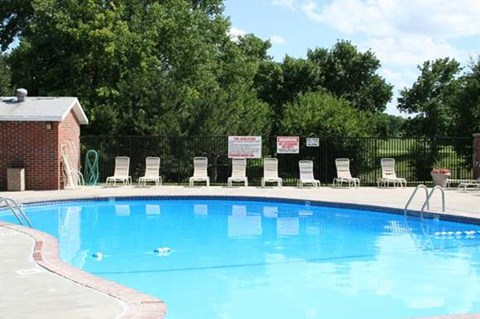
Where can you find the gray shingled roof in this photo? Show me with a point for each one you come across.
(48, 109)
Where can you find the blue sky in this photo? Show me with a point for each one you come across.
(402, 33)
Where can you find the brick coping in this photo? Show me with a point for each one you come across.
(46, 255)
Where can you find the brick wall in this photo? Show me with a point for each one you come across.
(476, 155)
(36, 148)
(69, 139)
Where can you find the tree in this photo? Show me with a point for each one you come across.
(387, 125)
(467, 102)
(5, 86)
(281, 83)
(14, 20)
(144, 67)
(431, 97)
(322, 114)
(351, 75)
(342, 71)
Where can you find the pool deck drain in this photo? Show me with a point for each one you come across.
(66, 292)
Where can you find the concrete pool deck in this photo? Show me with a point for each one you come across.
(36, 284)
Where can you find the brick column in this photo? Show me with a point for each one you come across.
(476, 155)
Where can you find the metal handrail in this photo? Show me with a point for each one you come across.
(16, 210)
(413, 195)
(430, 196)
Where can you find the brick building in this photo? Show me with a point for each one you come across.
(34, 134)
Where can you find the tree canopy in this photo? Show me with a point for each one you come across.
(345, 72)
(326, 115)
(342, 71)
(466, 103)
(431, 98)
(5, 87)
(144, 67)
(170, 68)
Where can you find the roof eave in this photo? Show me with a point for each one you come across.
(78, 111)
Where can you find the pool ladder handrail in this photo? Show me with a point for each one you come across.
(17, 210)
(428, 196)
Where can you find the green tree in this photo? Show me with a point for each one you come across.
(14, 20)
(144, 67)
(5, 86)
(322, 114)
(352, 75)
(342, 71)
(387, 125)
(431, 98)
(281, 83)
(466, 104)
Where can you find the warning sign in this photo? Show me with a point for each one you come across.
(245, 146)
(288, 144)
(313, 142)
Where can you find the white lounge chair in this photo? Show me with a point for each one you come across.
(152, 172)
(343, 174)
(200, 174)
(121, 173)
(270, 172)
(239, 168)
(389, 175)
(463, 184)
(306, 174)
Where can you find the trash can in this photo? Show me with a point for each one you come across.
(16, 179)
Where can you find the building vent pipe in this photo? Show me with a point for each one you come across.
(21, 95)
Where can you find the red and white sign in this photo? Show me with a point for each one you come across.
(245, 146)
(288, 144)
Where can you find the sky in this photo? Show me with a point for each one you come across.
(402, 34)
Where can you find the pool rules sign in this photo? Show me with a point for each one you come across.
(288, 144)
(245, 146)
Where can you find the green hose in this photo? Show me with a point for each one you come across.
(90, 174)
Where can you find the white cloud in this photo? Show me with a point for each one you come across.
(443, 19)
(411, 50)
(277, 39)
(402, 33)
(235, 33)
(400, 57)
(288, 4)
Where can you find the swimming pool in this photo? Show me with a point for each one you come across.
(233, 258)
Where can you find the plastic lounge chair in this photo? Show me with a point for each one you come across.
(239, 167)
(389, 175)
(465, 184)
(270, 172)
(462, 183)
(200, 174)
(306, 174)
(343, 174)
(152, 172)
(122, 166)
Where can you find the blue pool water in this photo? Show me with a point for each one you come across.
(237, 259)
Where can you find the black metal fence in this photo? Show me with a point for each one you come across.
(415, 157)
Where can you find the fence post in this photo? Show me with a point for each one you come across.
(476, 155)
